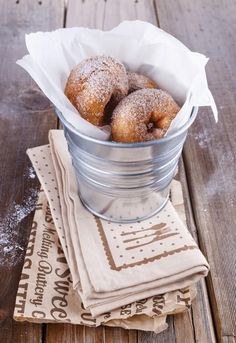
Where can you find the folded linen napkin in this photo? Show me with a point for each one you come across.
(45, 292)
(114, 264)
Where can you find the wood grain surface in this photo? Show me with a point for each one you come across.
(201, 321)
(209, 155)
(208, 174)
(25, 118)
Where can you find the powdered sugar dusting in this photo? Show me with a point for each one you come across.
(30, 173)
(138, 81)
(132, 117)
(93, 82)
(12, 240)
(202, 138)
(90, 70)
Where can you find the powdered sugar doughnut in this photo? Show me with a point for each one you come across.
(143, 115)
(139, 81)
(92, 83)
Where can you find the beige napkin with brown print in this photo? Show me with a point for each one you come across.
(113, 265)
(45, 292)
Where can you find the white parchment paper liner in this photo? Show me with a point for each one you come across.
(139, 45)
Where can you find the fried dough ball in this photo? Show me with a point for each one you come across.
(136, 82)
(143, 115)
(93, 83)
(139, 81)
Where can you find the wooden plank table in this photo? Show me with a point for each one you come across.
(207, 171)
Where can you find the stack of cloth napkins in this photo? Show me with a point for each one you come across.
(85, 270)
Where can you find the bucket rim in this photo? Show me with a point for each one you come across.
(129, 145)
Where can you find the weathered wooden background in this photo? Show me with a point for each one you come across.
(208, 169)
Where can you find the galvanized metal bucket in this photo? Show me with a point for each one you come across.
(124, 182)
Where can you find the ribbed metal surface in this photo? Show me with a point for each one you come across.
(124, 182)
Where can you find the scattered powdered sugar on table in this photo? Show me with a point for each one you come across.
(203, 139)
(12, 241)
(30, 173)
